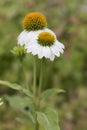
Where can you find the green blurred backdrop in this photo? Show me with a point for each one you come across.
(68, 19)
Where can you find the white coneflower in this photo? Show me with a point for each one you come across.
(45, 44)
(32, 24)
(38, 39)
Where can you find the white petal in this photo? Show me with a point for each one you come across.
(55, 50)
(47, 52)
(60, 47)
(59, 44)
(22, 37)
(40, 52)
(35, 49)
(52, 56)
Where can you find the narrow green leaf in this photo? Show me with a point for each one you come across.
(16, 87)
(50, 92)
(10, 85)
(27, 92)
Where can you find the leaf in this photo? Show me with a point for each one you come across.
(11, 85)
(48, 119)
(43, 120)
(50, 92)
(23, 104)
(16, 87)
(53, 118)
(27, 92)
(23, 120)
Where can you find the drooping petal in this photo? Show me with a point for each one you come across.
(22, 38)
(40, 52)
(60, 46)
(52, 56)
(47, 52)
(55, 50)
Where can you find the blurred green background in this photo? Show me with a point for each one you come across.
(68, 19)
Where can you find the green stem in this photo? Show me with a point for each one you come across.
(34, 92)
(40, 82)
(20, 72)
(41, 76)
(37, 126)
(37, 106)
(34, 78)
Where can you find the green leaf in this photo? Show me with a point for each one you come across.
(50, 92)
(23, 120)
(27, 92)
(10, 85)
(43, 120)
(16, 87)
(48, 119)
(53, 118)
(20, 103)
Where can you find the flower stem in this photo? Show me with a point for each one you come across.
(40, 82)
(41, 77)
(37, 126)
(20, 72)
(34, 92)
(37, 106)
(34, 78)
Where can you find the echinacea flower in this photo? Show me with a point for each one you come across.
(38, 39)
(32, 24)
(45, 44)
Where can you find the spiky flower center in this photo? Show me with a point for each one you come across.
(34, 21)
(46, 39)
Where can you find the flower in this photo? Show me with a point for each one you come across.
(38, 39)
(32, 24)
(45, 44)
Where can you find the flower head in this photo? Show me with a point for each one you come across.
(34, 21)
(45, 44)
